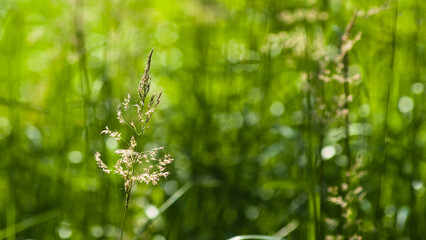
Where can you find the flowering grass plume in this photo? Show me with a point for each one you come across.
(333, 73)
(134, 166)
(348, 197)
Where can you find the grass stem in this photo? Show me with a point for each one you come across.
(125, 213)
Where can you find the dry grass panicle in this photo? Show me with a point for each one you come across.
(134, 166)
(348, 197)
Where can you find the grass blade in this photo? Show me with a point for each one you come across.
(260, 237)
(179, 193)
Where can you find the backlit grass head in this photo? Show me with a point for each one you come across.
(134, 166)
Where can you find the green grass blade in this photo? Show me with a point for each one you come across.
(260, 237)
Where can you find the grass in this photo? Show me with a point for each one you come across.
(136, 166)
(257, 135)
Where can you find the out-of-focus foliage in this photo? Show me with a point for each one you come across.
(254, 129)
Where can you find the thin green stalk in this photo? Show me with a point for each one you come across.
(321, 180)
(11, 216)
(379, 208)
(84, 77)
(346, 106)
(178, 194)
(346, 88)
(313, 205)
(416, 125)
(323, 192)
(311, 167)
(125, 214)
(347, 232)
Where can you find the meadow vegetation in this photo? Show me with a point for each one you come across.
(212, 120)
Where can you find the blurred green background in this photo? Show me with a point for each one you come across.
(235, 115)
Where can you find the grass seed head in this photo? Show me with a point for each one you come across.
(134, 166)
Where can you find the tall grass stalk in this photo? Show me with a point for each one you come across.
(417, 121)
(85, 88)
(389, 83)
(343, 39)
(313, 223)
(125, 214)
(136, 166)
